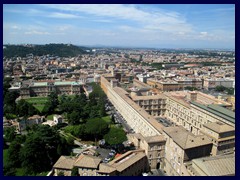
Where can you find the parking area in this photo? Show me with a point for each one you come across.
(165, 122)
(106, 154)
(118, 118)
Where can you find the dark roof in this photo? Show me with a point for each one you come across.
(217, 110)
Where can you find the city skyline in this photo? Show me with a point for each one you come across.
(136, 25)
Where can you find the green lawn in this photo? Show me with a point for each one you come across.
(50, 117)
(39, 107)
(37, 100)
(107, 119)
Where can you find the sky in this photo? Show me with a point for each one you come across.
(125, 25)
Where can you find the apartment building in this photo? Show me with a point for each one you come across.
(175, 84)
(192, 112)
(136, 117)
(213, 82)
(131, 163)
(222, 136)
(221, 165)
(154, 147)
(189, 82)
(45, 88)
(153, 105)
(195, 117)
(181, 147)
(165, 85)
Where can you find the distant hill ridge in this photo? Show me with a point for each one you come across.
(61, 50)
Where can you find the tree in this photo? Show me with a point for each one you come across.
(9, 102)
(22, 107)
(73, 118)
(220, 88)
(96, 127)
(6, 85)
(74, 171)
(25, 109)
(9, 170)
(40, 151)
(10, 134)
(190, 88)
(33, 155)
(32, 110)
(14, 154)
(80, 131)
(53, 97)
(115, 136)
(61, 173)
(94, 112)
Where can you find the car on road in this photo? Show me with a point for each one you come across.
(105, 161)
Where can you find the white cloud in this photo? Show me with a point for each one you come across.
(204, 33)
(62, 15)
(37, 32)
(157, 20)
(16, 27)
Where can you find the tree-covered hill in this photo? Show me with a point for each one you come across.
(61, 50)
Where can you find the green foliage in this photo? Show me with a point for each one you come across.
(190, 88)
(25, 109)
(6, 85)
(157, 65)
(9, 102)
(74, 171)
(62, 50)
(9, 170)
(70, 140)
(13, 153)
(96, 127)
(40, 151)
(220, 88)
(115, 136)
(61, 173)
(10, 134)
(73, 118)
(77, 130)
(230, 91)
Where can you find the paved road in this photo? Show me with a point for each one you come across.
(121, 120)
(103, 152)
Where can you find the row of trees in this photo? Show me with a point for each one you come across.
(35, 152)
(230, 91)
(79, 108)
(95, 129)
(62, 50)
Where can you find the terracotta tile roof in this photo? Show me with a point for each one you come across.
(87, 161)
(216, 165)
(186, 139)
(219, 127)
(65, 162)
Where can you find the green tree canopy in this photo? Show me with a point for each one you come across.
(10, 134)
(74, 171)
(96, 127)
(14, 154)
(115, 136)
(40, 151)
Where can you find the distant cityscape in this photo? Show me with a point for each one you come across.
(175, 109)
